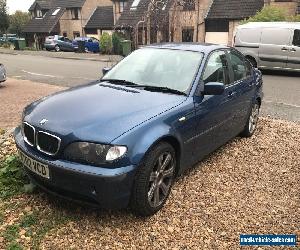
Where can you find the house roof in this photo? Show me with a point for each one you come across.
(234, 9)
(103, 17)
(44, 5)
(68, 3)
(46, 24)
(130, 17)
(48, 4)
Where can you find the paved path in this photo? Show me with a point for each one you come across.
(64, 55)
(15, 95)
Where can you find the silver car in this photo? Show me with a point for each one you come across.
(2, 73)
(270, 45)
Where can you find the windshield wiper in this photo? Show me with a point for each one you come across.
(146, 87)
(161, 89)
(119, 82)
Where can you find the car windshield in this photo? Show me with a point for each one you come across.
(174, 69)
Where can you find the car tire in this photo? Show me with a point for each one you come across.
(154, 180)
(252, 120)
(57, 48)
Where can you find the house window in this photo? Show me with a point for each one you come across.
(75, 13)
(122, 5)
(188, 5)
(55, 12)
(76, 34)
(217, 26)
(187, 35)
(65, 34)
(135, 4)
(39, 14)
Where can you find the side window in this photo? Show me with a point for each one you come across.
(238, 66)
(61, 38)
(216, 68)
(296, 39)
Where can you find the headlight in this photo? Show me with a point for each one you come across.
(93, 153)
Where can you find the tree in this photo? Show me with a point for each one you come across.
(269, 14)
(17, 22)
(106, 43)
(4, 19)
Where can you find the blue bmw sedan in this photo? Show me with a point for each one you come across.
(121, 141)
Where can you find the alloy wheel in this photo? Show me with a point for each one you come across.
(161, 179)
(253, 119)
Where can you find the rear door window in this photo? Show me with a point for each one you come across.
(296, 38)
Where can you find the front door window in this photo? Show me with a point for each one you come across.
(216, 68)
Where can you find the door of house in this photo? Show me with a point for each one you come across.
(187, 34)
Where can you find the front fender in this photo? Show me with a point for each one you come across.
(140, 140)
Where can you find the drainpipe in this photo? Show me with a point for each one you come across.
(198, 10)
(137, 33)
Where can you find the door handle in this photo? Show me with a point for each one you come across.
(293, 50)
(284, 49)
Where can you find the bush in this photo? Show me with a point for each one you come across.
(117, 38)
(106, 43)
(269, 14)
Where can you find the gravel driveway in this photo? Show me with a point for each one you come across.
(247, 186)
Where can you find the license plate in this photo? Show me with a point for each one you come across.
(35, 166)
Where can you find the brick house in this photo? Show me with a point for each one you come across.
(224, 16)
(67, 18)
(192, 20)
(186, 21)
(102, 20)
(292, 6)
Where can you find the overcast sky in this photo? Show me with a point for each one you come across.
(14, 5)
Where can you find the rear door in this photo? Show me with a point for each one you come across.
(242, 84)
(294, 51)
(274, 47)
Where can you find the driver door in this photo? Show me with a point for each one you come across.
(213, 113)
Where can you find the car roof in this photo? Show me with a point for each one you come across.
(197, 47)
(270, 25)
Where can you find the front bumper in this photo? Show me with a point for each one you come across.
(96, 186)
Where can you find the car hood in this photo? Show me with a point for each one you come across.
(98, 112)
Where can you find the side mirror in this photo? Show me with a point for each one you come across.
(105, 70)
(214, 88)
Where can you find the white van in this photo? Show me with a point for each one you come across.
(270, 45)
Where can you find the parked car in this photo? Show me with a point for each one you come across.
(122, 140)
(58, 43)
(91, 44)
(270, 45)
(2, 73)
